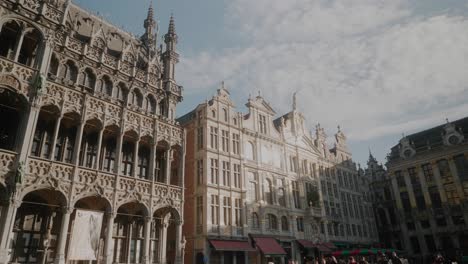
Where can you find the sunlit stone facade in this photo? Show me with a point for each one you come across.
(87, 123)
(251, 176)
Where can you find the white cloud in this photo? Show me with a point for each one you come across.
(370, 65)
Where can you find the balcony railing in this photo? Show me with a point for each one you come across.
(62, 173)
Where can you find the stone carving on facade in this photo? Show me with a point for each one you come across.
(406, 148)
(451, 135)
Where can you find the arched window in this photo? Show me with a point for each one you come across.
(281, 197)
(21, 49)
(268, 191)
(213, 113)
(88, 79)
(249, 150)
(272, 222)
(284, 223)
(9, 35)
(162, 108)
(150, 104)
(136, 98)
(30, 47)
(225, 114)
(121, 92)
(255, 221)
(127, 158)
(105, 85)
(143, 162)
(69, 72)
(234, 121)
(53, 66)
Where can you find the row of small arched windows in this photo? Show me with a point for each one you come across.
(70, 75)
(271, 221)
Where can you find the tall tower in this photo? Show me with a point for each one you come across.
(170, 57)
(151, 28)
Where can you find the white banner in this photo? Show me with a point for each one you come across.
(84, 244)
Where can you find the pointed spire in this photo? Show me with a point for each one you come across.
(294, 101)
(171, 30)
(150, 11)
(171, 37)
(149, 38)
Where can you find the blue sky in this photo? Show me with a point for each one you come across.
(377, 68)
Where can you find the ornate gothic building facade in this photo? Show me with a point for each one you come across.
(87, 133)
(261, 188)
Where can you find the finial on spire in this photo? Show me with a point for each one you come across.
(294, 101)
(150, 10)
(339, 128)
(171, 30)
(222, 84)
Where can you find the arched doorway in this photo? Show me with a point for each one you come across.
(3, 207)
(37, 227)
(97, 205)
(12, 109)
(128, 233)
(165, 235)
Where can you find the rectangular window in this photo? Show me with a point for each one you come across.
(305, 168)
(215, 209)
(238, 212)
(405, 201)
(428, 173)
(237, 178)
(435, 197)
(199, 212)
(335, 190)
(225, 140)
(199, 172)
(295, 193)
(340, 178)
(314, 170)
(329, 189)
(236, 143)
(214, 171)
(253, 187)
(415, 245)
(324, 187)
(200, 138)
(227, 210)
(262, 124)
(400, 179)
(300, 224)
(461, 163)
(413, 177)
(214, 137)
(444, 168)
(226, 173)
(431, 246)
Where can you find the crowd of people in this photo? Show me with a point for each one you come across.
(379, 259)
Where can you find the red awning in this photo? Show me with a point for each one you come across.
(269, 246)
(323, 248)
(306, 243)
(329, 245)
(231, 245)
